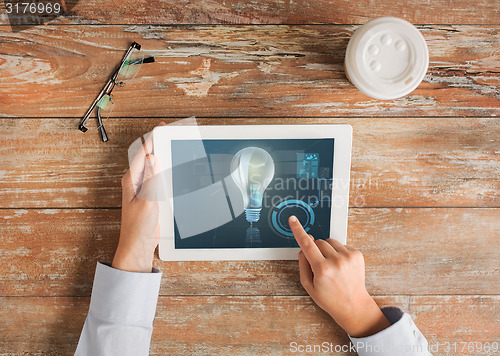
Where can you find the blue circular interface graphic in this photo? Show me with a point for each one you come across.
(281, 213)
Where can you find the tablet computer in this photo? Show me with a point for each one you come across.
(228, 191)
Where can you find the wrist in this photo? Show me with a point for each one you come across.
(132, 259)
(365, 318)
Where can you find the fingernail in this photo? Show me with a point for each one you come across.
(293, 218)
(150, 160)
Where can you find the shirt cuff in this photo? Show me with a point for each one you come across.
(124, 297)
(401, 338)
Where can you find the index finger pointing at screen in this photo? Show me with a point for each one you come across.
(306, 243)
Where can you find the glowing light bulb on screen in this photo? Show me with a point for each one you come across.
(252, 169)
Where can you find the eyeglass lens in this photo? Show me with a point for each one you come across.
(130, 67)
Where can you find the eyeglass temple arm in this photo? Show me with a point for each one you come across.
(104, 90)
(102, 131)
(108, 86)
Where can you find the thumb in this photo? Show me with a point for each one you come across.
(149, 184)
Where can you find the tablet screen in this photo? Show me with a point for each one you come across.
(230, 193)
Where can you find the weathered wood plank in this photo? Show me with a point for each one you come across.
(458, 325)
(249, 325)
(407, 251)
(273, 12)
(395, 163)
(183, 325)
(235, 71)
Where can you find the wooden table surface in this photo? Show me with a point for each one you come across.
(425, 190)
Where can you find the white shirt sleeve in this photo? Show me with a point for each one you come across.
(402, 338)
(121, 313)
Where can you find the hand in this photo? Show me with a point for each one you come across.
(334, 276)
(140, 233)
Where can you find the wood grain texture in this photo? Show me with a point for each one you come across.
(273, 12)
(455, 319)
(53, 252)
(425, 189)
(250, 325)
(236, 71)
(396, 162)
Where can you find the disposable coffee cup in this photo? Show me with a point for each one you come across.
(386, 58)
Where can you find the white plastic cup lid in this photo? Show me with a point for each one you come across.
(386, 58)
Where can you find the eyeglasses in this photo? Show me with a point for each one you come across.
(128, 69)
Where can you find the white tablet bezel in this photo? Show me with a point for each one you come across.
(162, 137)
